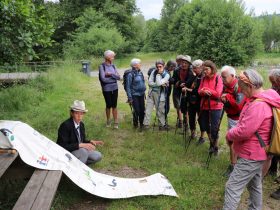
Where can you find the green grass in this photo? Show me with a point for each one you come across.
(268, 59)
(124, 62)
(44, 104)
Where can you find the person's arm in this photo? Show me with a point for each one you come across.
(103, 77)
(128, 86)
(116, 74)
(235, 102)
(63, 138)
(249, 124)
(162, 81)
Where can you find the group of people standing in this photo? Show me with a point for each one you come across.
(200, 95)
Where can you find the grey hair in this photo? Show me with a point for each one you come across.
(108, 53)
(274, 73)
(197, 63)
(135, 61)
(255, 78)
(228, 69)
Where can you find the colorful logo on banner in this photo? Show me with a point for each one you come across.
(43, 160)
(87, 173)
(8, 134)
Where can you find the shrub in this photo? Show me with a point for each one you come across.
(94, 43)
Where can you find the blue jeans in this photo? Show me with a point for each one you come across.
(86, 156)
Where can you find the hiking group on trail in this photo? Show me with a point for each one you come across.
(201, 95)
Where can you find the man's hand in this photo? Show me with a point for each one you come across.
(129, 101)
(96, 142)
(223, 98)
(87, 146)
(108, 74)
(182, 85)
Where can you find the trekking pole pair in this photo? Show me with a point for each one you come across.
(178, 119)
(212, 142)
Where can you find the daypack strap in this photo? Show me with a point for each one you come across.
(263, 145)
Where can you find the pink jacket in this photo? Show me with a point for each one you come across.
(255, 116)
(215, 86)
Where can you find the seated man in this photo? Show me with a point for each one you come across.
(71, 136)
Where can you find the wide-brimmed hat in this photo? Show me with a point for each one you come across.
(78, 106)
(187, 58)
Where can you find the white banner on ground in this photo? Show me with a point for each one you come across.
(40, 152)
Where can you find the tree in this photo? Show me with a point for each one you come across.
(23, 27)
(218, 30)
(94, 42)
(271, 35)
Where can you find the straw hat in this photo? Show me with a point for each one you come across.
(78, 106)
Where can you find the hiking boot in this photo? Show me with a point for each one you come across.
(116, 125)
(277, 180)
(179, 124)
(213, 150)
(141, 128)
(108, 124)
(193, 135)
(200, 141)
(163, 128)
(146, 127)
(276, 194)
(228, 171)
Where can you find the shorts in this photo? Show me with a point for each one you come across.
(111, 98)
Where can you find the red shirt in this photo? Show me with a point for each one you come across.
(235, 100)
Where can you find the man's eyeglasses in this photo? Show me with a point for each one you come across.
(159, 67)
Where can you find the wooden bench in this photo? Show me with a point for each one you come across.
(40, 189)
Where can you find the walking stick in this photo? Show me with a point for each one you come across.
(165, 109)
(185, 126)
(218, 129)
(132, 113)
(210, 134)
(178, 120)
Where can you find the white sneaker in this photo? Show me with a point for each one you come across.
(108, 124)
(116, 126)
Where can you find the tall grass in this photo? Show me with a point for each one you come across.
(44, 104)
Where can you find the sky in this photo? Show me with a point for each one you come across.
(152, 8)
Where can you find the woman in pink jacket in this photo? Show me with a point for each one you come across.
(256, 116)
(210, 90)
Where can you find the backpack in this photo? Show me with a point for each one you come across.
(125, 77)
(99, 77)
(273, 147)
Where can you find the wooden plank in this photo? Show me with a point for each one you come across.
(5, 161)
(48, 190)
(31, 190)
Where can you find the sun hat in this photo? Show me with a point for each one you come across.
(78, 106)
(187, 58)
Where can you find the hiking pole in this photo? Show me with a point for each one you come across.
(132, 112)
(178, 120)
(165, 109)
(209, 135)
(184, 112)
(157, 107)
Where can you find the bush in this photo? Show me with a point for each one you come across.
(94, 43)
(218, 30)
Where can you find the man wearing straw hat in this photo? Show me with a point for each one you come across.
(71, 136)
